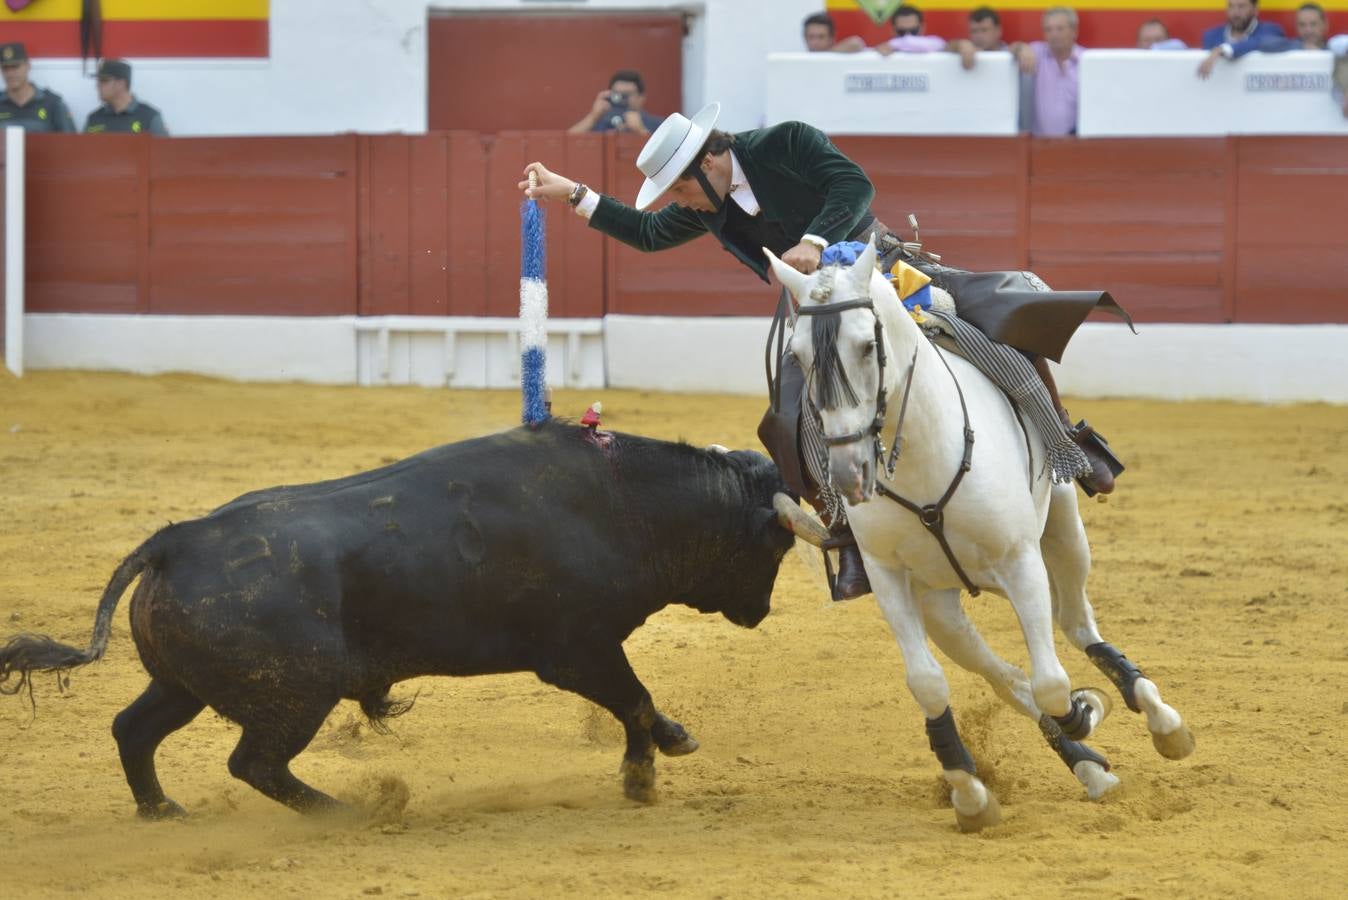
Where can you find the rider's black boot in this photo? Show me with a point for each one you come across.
(852, 581)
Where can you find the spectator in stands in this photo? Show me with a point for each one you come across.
(985, 29)
(821, 34)
(121, 112)
(619, 107)
(1153, 35)
(1312, 34)
(910, 36)
(25, 104)
(1242, 23)
(1054, 62)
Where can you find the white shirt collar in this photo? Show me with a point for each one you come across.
(740, 192)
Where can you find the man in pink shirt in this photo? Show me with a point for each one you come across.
(910, 37)
(1054, 62)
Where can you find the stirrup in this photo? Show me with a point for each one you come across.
(1093, 442)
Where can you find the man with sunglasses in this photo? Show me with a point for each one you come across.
(910, 36)
(25, 104)
(121, 112)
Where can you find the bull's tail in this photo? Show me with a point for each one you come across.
(25, 654)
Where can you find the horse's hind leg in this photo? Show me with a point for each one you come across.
(272, 737)
(1068, 558)
(139, 729)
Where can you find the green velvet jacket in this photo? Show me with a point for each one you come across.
(801, 181)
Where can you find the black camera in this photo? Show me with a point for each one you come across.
(617, 99)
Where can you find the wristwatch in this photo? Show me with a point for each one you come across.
(577, 194)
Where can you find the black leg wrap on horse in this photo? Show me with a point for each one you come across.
(945, 742)
(1118, 669)
(1077, 723)
(1068, 750)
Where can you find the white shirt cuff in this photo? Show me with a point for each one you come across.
(588, 204)
(1227, 50)
(816, 240)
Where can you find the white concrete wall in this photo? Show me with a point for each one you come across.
(907, 93)
(1258, 363)
(360, 65)
(1141, 92)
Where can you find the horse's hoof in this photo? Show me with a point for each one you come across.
(680, 748)
(164, 809)
(639, 781)
(1097, 780)
(990, 815)
(1100, 703)
(1175, 745)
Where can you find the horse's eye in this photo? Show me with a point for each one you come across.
(868, 350)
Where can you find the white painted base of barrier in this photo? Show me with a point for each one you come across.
(1257, 363)
(434, 352)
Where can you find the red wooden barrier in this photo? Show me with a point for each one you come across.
(256, 226)
(1290, 242)
(1181, 230)
(1144, 219)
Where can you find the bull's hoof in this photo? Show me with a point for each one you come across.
(164, 809)
(990, 815)
(639, 781)
(1175, 745)
(680, 748)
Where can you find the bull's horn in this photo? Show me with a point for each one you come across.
(798, 521)
(717, 448)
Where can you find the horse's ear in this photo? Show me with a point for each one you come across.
(794, 281)
(866, 261)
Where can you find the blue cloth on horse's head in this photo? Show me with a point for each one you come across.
(843, 253)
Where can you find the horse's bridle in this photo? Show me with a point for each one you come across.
(877, 424)
(932, 515)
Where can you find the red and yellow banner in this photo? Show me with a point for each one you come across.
(138, 28)
(1104, 23)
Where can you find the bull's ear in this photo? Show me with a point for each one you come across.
(795, 282)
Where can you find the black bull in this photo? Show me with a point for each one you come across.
(531, 550)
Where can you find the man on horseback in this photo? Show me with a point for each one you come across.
(788, 188)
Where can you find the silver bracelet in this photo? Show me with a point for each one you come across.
(577, 194)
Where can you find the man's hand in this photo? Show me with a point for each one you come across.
(883, 49)
(1025, 57)
(804, 257)
(634, 123)
(967, 51)
(551, 186)
(600, 104)
(1205, 67)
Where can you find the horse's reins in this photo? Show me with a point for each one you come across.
(932, 516)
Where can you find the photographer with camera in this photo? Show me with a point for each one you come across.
(619, 107)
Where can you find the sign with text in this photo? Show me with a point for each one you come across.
(886, 83)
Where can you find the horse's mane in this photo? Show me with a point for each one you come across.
(829, 376)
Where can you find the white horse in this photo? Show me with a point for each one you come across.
(1009, 529)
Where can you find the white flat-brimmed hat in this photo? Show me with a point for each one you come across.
(670, 149)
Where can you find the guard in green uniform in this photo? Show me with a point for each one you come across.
(121, 112)
(24, 103)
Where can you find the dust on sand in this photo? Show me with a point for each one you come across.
(1219, 567)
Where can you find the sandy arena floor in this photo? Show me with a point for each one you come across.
(1220, 568)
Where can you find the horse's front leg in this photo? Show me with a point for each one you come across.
(1067, 556)
(975, 806)
(1066, 718)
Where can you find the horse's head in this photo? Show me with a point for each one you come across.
(843, 347)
